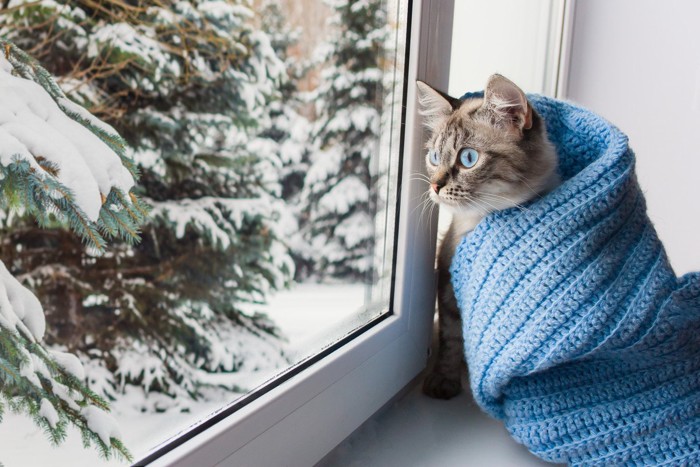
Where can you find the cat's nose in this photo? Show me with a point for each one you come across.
(436, 187)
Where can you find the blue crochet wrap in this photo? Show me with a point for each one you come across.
(578, 334)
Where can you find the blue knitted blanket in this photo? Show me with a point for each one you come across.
(578, 334)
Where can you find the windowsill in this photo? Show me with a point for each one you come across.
(414, 430)
(419, 431)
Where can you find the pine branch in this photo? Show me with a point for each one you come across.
(30, 377)
(127, 231)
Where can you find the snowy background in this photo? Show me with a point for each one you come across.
(251, 130)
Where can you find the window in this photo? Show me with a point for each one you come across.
(221, 209)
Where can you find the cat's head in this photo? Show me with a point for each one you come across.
(486, 153)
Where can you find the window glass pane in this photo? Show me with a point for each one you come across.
(266, 138)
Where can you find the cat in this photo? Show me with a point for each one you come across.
(483, 154)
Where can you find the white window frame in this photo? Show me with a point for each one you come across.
(301, 420)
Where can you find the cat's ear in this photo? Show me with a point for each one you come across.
(434, 104)
(507, 104)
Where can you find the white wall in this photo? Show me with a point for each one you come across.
(510, 37)
(637, 63)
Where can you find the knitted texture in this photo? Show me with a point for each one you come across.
(578, 334)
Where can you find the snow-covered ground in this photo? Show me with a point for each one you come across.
(309, 313)
(310, 316)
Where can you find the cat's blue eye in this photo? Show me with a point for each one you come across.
(468, 157)
(434, 157)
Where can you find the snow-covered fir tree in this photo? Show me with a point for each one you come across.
(338, 197)
(290, 131)
(63, 169)
(189, 85)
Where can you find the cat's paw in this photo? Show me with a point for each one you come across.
(439, 386)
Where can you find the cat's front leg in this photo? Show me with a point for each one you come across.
(444, 380)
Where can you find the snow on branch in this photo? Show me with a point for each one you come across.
(47, 384)
(217, 218)
(20, 310)
(57, 161)
(65, 162)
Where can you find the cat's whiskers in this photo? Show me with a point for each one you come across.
(427, 208)
(430, 216)
(504, 198)
(482, 210)
(524, 180)
(473, 202)
(418, 176)
(427, 202)
(484, 205)
(421, 204)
